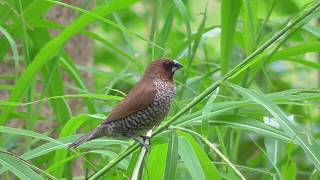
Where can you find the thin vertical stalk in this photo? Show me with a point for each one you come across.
(247, 62)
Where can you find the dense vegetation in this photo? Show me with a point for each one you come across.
(247, 103)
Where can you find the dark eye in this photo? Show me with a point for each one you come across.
(167, 66)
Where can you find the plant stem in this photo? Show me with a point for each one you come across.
(246, 63)
(215, 149)
(143, 153)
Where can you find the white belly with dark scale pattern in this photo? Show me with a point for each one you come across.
(138, 123)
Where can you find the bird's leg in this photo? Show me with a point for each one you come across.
(146, 138)
(142, 143)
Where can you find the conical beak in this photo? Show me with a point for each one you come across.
(176, 66)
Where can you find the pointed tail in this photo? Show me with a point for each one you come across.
(84, 138)
(101, 130)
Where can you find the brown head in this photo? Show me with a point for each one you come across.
(162, 68)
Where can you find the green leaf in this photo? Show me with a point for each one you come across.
(208, 107)
(286, 7)
(54, 82)
(208, 167)
(13, 47)
(166, 29)
(243, 123)
(95, 96)
(52, 47)
(70, 127)
(107, 21)
(297, 50)
(35, 10)
(183, 12)
(229, 14)
(75, 74)
(289, 168)
(27, 133)
(172, 157)
(53, 146)
(106, 153)
(133, 162)
(249, 15)
(294, 130)
(190, 159)
(304, 62)
(18, 167)
(63, 144)
(312, 29)
(157, 161)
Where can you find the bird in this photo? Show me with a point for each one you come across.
(144, 107)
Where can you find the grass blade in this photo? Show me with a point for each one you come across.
(234, 72)
(209, 168)
(52, 48)
(190, 159)
(70, 127)
(18, 168)
(229, 14)
(183, 12)
(295, 131)
(157, 162)
(14, 49)
(172, 157)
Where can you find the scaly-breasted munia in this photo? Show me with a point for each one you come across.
(145, 106)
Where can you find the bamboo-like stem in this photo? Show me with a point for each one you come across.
(29, 164)
(142, 156)
(247, 62)
(115, 161)
(215, 149)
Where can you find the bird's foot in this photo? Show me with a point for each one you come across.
(146, 141)
(145, 145)
(142, 143)
(145, 138)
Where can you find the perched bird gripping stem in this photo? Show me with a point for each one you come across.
(145, 106)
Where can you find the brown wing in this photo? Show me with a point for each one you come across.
(140, 97)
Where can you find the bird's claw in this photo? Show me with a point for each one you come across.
(144, 143)
(145, 138)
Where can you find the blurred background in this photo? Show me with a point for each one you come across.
(65, 64)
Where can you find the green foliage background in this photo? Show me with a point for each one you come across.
(247, 103)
